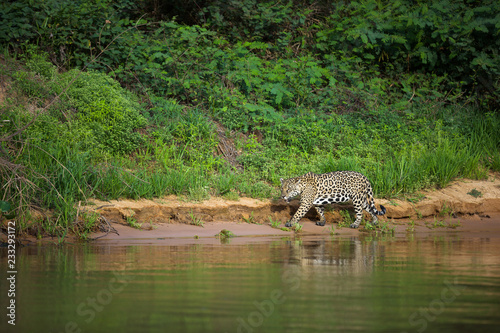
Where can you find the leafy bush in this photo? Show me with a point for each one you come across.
(73, 32)
(104, 107)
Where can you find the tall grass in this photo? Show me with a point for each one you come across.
(424, 161)
(410, 171)
(485, 135)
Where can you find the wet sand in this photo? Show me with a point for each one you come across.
(475, 226)
(452, 209)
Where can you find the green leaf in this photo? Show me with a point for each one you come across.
(279, 91)
(364, 38)
(10, 216)
(481, 28)
(4, 206)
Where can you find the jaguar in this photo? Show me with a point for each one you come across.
(327, 188)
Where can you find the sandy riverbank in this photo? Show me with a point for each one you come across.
(452, 209)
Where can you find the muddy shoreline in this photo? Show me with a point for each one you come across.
(452, 209)
(456, 199)
(484, 227)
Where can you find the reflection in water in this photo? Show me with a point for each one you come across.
(349, 257)
(437, 284)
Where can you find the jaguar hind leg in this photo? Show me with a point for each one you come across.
(359, 215)
(321, 213)
(374, 216)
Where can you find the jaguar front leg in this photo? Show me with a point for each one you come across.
(304, 207)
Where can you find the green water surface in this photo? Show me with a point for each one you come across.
(309, 284)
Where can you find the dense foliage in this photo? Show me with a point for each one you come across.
(140, 99)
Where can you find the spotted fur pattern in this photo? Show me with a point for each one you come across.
(318, 190)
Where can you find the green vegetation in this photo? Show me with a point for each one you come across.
(195, 219)
(297, 227)
(5, 210)
(346, 219)
(454, 225)
(446, 211)
(370, 227)
(224, 235)
(475, 193)
(250, 219)
(411, 227)
(88, 223)
(382, 228)
(131, 221)
(442, 224)
(274, 223)
(123, 99)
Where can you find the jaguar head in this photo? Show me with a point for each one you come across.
(289, 188)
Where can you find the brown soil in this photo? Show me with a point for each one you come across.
(171, 217)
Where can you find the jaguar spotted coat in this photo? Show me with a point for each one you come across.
(340, 186)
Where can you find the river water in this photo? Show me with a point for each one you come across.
(429, 283)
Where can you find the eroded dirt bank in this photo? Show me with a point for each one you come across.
(171, 217)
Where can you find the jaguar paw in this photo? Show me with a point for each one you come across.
(354, 225)
(321, 224)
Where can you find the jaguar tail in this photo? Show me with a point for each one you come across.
(381, 211)
(374, 210)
